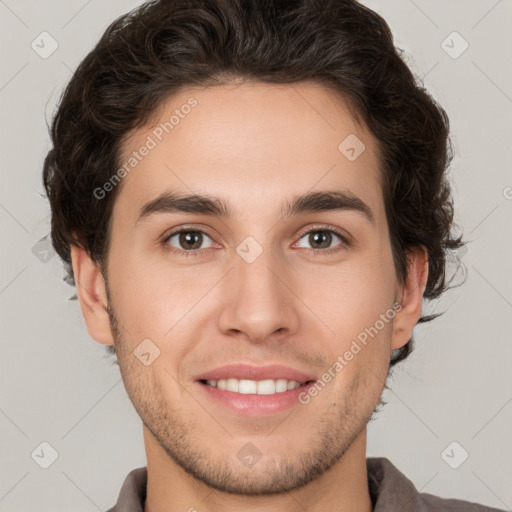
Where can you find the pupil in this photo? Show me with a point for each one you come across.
(319, 235)
(188, 239)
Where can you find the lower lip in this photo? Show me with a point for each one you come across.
(253, 405)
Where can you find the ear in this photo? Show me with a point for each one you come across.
(92, 293)
(410, 296)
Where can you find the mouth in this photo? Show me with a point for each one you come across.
(254, 391)
(255, 387)
(253, 399)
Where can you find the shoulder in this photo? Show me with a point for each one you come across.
(436, 504)
(133, 492)
(391, 490)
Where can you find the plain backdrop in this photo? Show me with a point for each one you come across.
(453, 396)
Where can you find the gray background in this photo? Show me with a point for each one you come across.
(57, 385)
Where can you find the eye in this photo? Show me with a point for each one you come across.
(186, 241)
(321, 239)
(191, 242)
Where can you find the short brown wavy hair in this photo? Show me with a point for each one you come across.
(165, 45)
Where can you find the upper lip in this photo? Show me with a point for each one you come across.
(250, 372)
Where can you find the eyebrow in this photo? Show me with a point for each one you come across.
(169, 202)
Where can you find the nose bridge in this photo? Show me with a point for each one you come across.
(257, 301)
(256, 268)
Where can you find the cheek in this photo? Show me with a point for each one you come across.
(356, 303)
(352, 296)
(158, 302)
(359, 355)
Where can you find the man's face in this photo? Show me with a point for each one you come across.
(256, 288)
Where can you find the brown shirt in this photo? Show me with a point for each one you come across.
(390, 491)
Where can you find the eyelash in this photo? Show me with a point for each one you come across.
(198, 252)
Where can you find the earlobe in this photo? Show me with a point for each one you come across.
(91, 291)
(410, 297)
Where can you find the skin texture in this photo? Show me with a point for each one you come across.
(254, 145)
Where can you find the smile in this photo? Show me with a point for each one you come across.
(253, 387)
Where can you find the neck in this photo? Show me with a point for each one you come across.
(343, 487)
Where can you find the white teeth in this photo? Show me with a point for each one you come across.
(253, 387)
(291, 385)
(246, 387)
(231, 384)
(282, 385)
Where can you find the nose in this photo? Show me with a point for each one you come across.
(258, 300)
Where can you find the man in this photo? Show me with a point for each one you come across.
(252, 201)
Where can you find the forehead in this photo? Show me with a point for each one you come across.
(255, 145)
